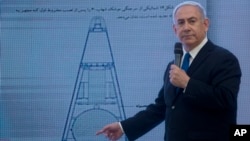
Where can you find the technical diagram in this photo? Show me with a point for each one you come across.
(96, 99)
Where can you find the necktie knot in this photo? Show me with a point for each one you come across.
(185, 63)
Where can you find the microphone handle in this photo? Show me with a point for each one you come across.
(177, 60)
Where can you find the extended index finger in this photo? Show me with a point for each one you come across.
(102, 131)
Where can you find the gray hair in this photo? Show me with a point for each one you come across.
(193, 3)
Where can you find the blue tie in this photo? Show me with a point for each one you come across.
(185, 63)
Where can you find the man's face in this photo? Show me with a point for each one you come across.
(189, 26)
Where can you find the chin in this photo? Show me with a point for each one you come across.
(188, 42)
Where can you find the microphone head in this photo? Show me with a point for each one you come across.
(178, 48)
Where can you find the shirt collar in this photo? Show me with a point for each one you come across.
(196, 50)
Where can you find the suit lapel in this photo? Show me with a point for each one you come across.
(201, 56)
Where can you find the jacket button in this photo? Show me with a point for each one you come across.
(173, 107)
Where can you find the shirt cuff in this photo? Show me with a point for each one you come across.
(121, 126)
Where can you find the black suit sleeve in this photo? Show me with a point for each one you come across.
(145, 120)
(136, 126)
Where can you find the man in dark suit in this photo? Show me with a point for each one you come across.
(199, 104)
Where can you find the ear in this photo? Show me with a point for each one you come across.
(206, 24)
(174, 28)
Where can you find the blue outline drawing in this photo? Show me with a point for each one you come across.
(96, 99)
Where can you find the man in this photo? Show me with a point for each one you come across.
(197, 105)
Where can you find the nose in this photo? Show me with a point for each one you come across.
(186, 26)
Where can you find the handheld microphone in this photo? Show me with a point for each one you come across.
(178, 54)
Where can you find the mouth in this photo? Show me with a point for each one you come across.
(186, 36)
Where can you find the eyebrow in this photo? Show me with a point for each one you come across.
(190, 18)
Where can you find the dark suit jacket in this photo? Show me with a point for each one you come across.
(207, 108)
